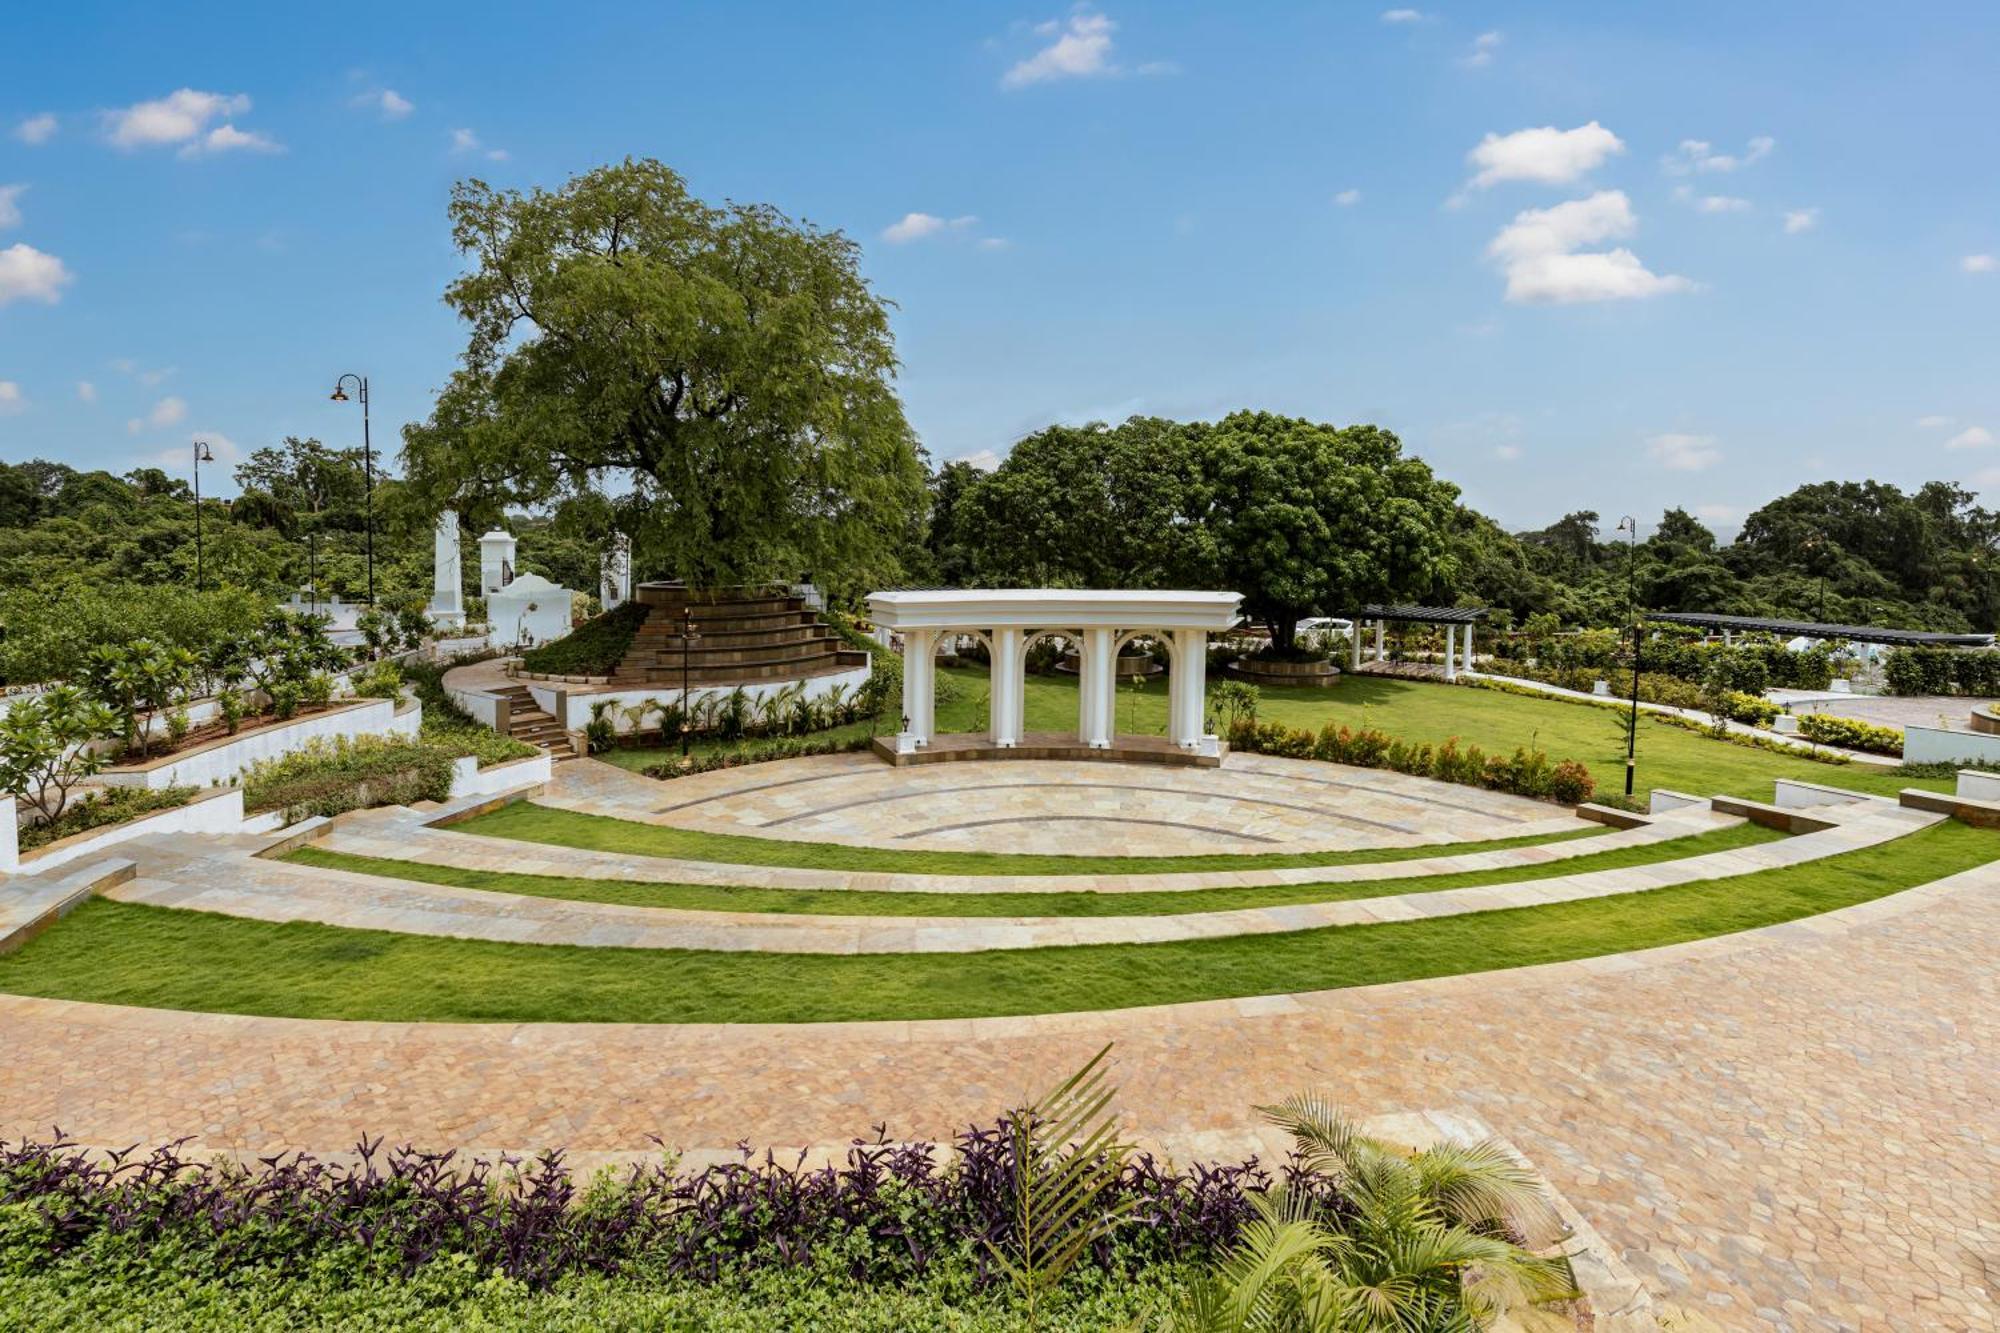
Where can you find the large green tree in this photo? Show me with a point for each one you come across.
(732, 363)
(1308, 518)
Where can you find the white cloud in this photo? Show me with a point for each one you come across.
(36, 130)
(229, 139)
(1402, 16)
(180, 117)
(1801, 219)
(26, 274)
(1972, 437)
(1721, 203)
(152, 378)
(1081, 49)
(1541, 252)
(465, 141)
(10, 205)
(985, 460)
(1934, 422)
(1347, 198)
(86, 391)
(167, 412)
(917, 226)
(1507, 453)
(1979, 263)
(390, 103)
(1481, 54)
(1546, 156)
(11, 398)
(1684, 453)
(994, 243)
(1700, 155)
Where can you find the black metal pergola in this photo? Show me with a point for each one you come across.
(1813, 629)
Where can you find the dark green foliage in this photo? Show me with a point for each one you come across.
(1524, 773)
(1849, 733)
(328, 777)
(593, 648)
(111, 805)
(1943, 671)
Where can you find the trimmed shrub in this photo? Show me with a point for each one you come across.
(1851, 733)
(593, 648)
(1524, 773)
(1943, 671)
(788, 747)
(330, 777)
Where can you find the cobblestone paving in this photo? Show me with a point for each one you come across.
(1794, 1128)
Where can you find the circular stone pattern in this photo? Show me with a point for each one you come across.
(1253, 803)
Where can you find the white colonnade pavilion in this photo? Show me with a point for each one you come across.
(1010, 620)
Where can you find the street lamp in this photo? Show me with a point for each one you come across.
(688, 639)
(201, 455)
(367, 465)
(1631, 525)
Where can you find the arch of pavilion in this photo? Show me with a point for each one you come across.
(1010, 620)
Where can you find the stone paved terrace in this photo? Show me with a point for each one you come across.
(1794, 1128)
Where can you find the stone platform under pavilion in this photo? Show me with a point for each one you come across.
(961, 746)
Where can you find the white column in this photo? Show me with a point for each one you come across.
(1097, 688)
(1354, 645)
(1378, 640)
(1005, 680)
(1468, 645)
(919, 683)
(1450, 651)
(447, 606)
(1191, 670)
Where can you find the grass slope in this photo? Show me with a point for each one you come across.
(855, 902)
(121, 953)
(528, 821)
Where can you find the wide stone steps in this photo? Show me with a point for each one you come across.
(744, 637)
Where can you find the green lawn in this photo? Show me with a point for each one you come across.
(845, 902)
(122, 953)
(529, 822)
(1432, 711)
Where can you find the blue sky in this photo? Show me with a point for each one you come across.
(1322, 209)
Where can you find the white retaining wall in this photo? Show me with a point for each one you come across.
(211, 812)
(1793, 794)
(1977, 786)
(224, 761)
(1935, 745)
(578, 707)
(469, 779)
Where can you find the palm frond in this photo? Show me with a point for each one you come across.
(1481, 1182)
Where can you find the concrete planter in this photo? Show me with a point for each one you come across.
(224, 759)
(217, 811)
(1309, 675)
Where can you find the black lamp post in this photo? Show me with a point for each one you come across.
(201, 455)
(1630, 524)
(367, 465)
(688, 638)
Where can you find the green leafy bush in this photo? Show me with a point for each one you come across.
(112, 805)
(787, 747)
(594, 648)
(450, 727)
(327, 777)
(45, 747)
(1524, 773)
(1851, 733)
(1943, 671)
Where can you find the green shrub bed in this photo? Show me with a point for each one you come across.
(1851, 733)
(447, 725)
(112, 805)
(328, 777)
(593, 648)
(1524, 773)
(1943, 671)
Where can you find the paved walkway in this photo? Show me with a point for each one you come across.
(189, 873)
(1252, 803)
(1794, 1128)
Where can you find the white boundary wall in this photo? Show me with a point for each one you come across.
(578, 706)
(469, 779)
(210, 812)
(224, 762)
(1935, 745)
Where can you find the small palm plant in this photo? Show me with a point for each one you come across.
(1067, 1163)
(1423, 1246)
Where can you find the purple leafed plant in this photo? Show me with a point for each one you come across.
(888, 1211)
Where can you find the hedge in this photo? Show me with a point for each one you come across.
(1851, 733)
(1525, 773)
(1943, 671)
(328, 777)
(593, 648)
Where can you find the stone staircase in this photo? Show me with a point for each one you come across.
(529, 721)
(745, 635)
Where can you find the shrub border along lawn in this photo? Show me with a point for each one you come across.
(164, 958)
(531, 821)
(1088, 903)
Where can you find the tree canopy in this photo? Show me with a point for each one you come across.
(732, 363)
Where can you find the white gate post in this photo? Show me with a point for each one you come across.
(1006, 688)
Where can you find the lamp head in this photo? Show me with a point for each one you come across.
(339, 394)
(201, 453)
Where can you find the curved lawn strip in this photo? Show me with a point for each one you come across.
(121, 953)
(864, 902)
(527, 821)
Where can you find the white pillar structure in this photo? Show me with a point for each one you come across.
(496, 562)
(614, 573)
(447, 608)
(1095, 619)
(1450, 652)
(1468, 646)
(1354, 646)
(1007, 691)
(1378, 640)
